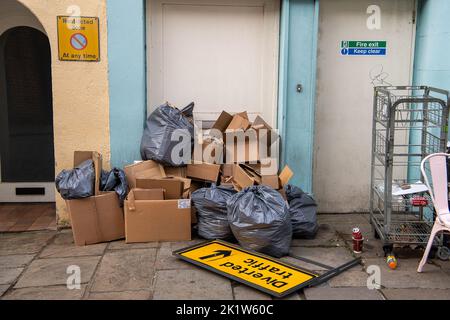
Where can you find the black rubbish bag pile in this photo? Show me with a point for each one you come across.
(77, 183)
(169, 130)
(260, 220)
(115, 180)
(211, 205)
(303, 210)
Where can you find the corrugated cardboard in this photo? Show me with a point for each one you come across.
(227, 170)
(175, 171)
(239, 122)
(149, 220)
(174, 188)
(142, 170)
(241, 179)
(204, 171)
(98, 218)
(271, 181)
(149, 194)
(278, 182)
(223, 121)
(81, 156)
(212, 151)
(285, 176)
(244, 146)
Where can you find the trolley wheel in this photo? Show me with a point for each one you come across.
(443, 253)
(388, 248)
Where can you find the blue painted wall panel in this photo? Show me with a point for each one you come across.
(127, 78)
(298, 66)
(432, 63)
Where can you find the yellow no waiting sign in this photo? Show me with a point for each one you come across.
(256, 270)
(78, 38)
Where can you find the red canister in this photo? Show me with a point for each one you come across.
(357, 240)
(419, 201)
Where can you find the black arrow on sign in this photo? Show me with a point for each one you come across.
(218, 253)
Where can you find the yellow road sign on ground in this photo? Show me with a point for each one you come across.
(78, 38)
(254, 269)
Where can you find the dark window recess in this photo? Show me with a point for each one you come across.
(30, 191)
(26, 110)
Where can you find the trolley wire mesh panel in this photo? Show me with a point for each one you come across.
(409, 123)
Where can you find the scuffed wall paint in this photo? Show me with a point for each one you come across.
(80, 90)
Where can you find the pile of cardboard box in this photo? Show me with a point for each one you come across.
(158, 206)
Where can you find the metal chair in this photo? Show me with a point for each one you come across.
(439, 196)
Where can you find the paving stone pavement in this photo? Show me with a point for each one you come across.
(33, 265)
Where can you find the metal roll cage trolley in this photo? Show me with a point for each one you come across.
(409, 123)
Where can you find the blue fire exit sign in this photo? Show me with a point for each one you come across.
(363, 48)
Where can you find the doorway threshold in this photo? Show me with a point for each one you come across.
(21, 217)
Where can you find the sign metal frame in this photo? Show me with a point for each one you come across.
(315, 280)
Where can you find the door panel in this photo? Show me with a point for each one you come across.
(26, 116)
(220, 54)
(343, 130)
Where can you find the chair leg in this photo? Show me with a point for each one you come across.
(434, 231)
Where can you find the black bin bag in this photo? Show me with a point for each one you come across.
(164, 125)
(115, 180)
(303, 210)
(211, 206)
(77, 183)
(260, 220)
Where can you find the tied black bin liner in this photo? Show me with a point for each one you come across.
(211, 205)
(115, 180)
(157, 141)
(303, 210)
(260, 220)
(77, 183)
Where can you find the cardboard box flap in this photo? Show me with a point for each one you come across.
(143, 194)
(238, 123)
(96, 219)
(143, 170)
(241, 178)
(259, 123)
(80, 156)
(223, 121)
(285, 176)
(174, 187)
(175, 171)
(243, 114)
(204, 171)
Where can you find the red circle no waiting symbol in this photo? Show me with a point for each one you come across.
(78, 41)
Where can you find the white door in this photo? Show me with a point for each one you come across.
(221, 54)
(343, 130)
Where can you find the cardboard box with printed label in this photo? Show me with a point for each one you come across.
(148, 217)
(98, 218)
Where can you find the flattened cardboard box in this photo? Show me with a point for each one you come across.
(98, 218)
(148, 218)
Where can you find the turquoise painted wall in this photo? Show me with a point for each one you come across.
(298, 52)
(127, 78)
(432, 61)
